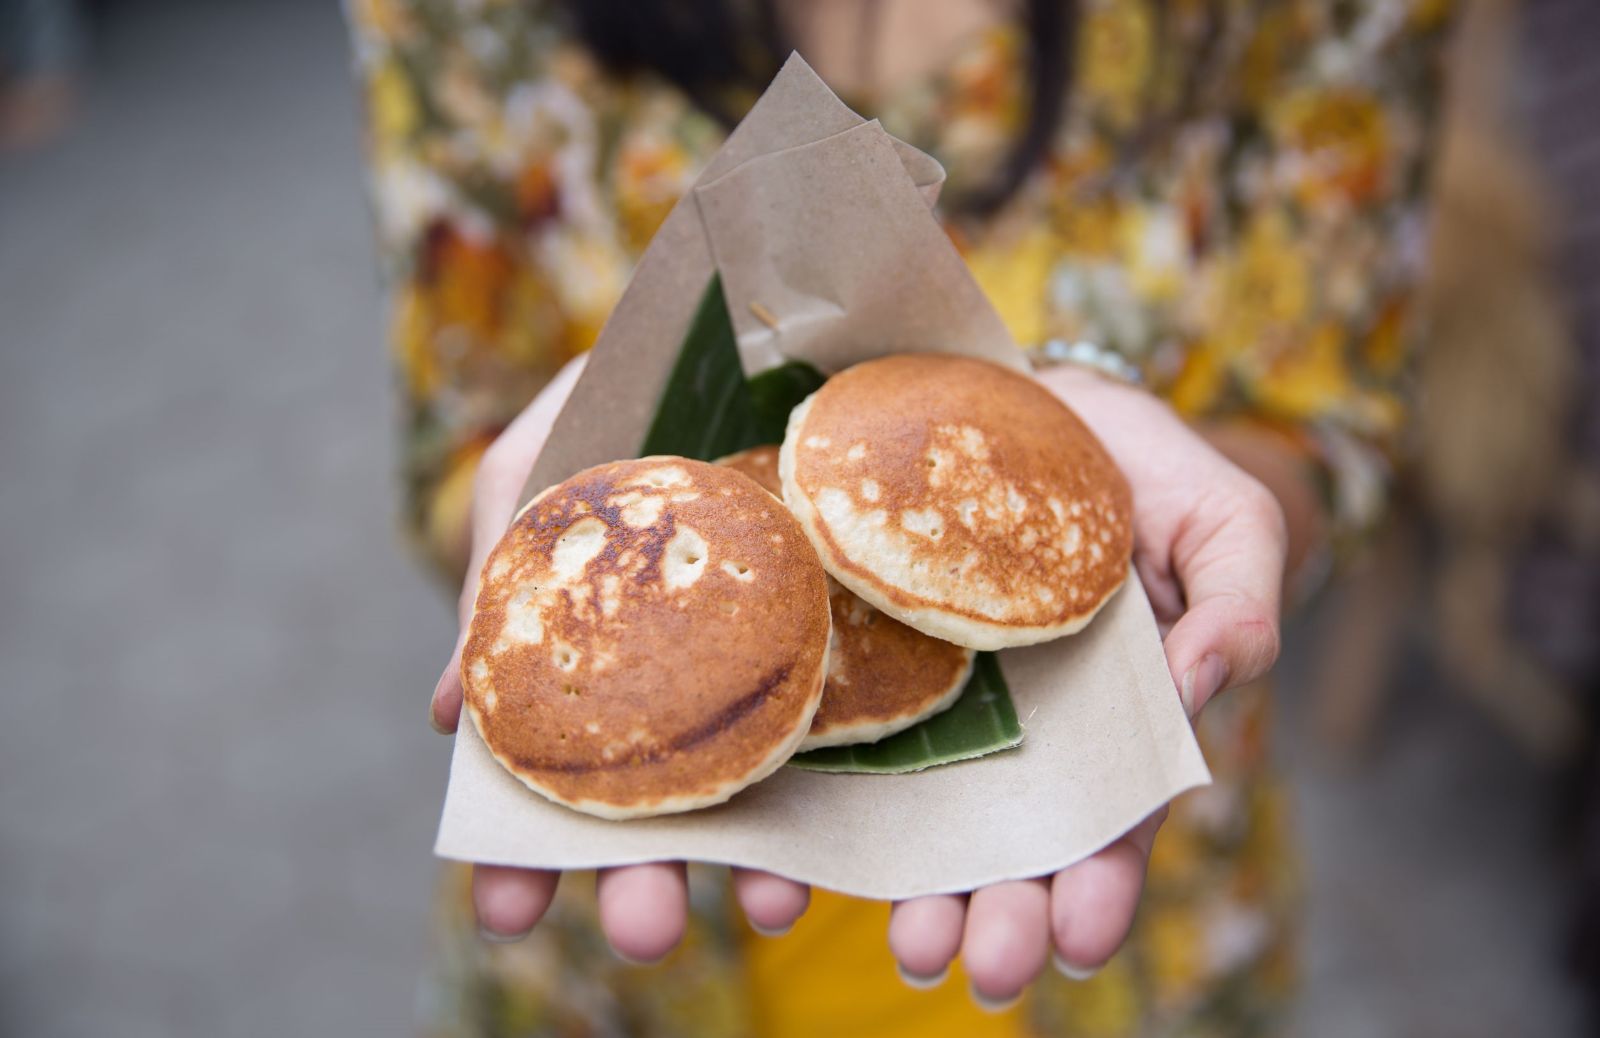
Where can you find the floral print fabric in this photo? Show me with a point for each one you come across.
(1232, 202)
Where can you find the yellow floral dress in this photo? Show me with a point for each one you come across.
(1232, 202)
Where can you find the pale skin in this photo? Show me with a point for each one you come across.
(1211, 544)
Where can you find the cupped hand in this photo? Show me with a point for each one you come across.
(643, 908)
(1209, 546)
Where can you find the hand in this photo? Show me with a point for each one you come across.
(1209, 546)
(643, 908)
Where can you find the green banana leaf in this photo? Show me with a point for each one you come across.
(709, 410)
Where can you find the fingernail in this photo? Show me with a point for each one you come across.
(1201, 682)
(502, 938)
(993, 1005)
(922, 981)
(433, 721)
(1068, 970)
(630, 960)
(769, 931)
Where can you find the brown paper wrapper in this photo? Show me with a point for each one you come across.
(822, 220)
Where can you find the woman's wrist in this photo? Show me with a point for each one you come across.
(1083, 355)
(1081, 386)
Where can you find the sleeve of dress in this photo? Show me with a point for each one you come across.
(501, 250)
(1307, 317)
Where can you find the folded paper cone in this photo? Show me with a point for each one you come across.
(822, 219)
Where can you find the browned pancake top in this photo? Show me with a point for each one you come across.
(760, 464)
(879, 669)
(648, 631)
(953, 484)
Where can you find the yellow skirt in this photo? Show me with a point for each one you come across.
(833, 975)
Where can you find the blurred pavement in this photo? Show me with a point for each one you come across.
(217, 790)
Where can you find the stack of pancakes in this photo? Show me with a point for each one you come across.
(654, 635)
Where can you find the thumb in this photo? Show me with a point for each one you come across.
(1231, 571)
(502, 472)
(444, 709)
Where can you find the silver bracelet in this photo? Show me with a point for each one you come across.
(1086, 354)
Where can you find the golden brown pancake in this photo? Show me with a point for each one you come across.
(649, 636)
(959, 497)
(883, 676)
(761, 465)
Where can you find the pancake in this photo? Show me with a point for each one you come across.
(959, 497)
(883, 676)
(649, 636)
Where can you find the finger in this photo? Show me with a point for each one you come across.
(1007, 940)
(1092, 903)
(1232, 576)
(444, 709)
(644, 908)
(510, 901)
(504, 471)
(501, 475)
(1161, 587)
(925, 935)
(771, 903)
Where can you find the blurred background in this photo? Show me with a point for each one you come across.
(217, 791)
